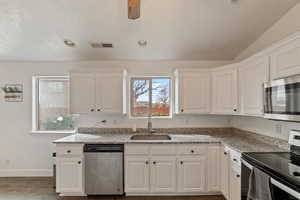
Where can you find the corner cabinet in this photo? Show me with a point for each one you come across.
(224, 90)
(252, 76)
(192, 91)
(92, 92)
(285, 59)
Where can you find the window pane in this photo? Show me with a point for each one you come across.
(54, 105)
(160, 97)
(140, 98)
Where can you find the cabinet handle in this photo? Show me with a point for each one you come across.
(79, 162)
(69, 151)
(238, 176)
(147, 162)
(92, 110)
(192, 151)
(154, 162)
(181, 162)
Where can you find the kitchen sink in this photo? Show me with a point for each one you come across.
(150, 137)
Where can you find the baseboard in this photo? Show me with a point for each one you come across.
(25, 173)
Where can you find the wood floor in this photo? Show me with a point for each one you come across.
(42, 189)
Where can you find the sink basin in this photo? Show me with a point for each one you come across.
(150, 137)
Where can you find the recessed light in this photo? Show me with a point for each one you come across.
(142, 43)
(69, 43)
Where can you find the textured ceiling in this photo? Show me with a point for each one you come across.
(174, 29)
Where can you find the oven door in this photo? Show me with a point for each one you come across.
(280, 191)
(282, 99)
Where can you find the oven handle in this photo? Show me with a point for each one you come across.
(276, 183)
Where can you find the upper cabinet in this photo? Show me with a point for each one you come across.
(252, 75)
(224, 90)
(97, 92)
(193, 91)
(285, 60)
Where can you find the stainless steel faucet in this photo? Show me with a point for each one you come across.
(150, 130)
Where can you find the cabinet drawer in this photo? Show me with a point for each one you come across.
(235, 157)
(163, 149)
(137, 149)
(192, 149)
(69, 149)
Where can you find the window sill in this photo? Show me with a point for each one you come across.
(52, 132)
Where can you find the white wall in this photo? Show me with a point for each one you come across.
(23, 153)
(283, 28)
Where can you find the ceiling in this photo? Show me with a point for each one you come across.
(34, 30)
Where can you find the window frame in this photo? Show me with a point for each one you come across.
(132, 78)
(35, 104)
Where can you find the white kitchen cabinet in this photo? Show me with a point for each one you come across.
(137, 174)
(191, 174)
(70, 176)
(213, 168)
(224, 90)
(252, 75)
(225, 167)
(193, 91)
(235, 184)
(285, 60)
(163, 174)
(82, 93)
(97, 92)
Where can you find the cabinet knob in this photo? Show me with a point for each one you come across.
(192, 151)
(225, 153)
(69, 151)
(92, 110)
(147, 162)
(79, 162)
(234, 110)
(182, 110)
(235, 160)
(98, 110)
(181, 162)
(238, 176)
(154, 162)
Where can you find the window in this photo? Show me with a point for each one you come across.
(51, 104)
(150, 96)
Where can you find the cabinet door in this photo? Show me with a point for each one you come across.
(252, 77)
(194, 92)
(213, 168)
(235, 184)
(225, 160)
(82, 93)
(191, 172)
(69, 177)
(137, 174)
(109, 93)
(225, 91)
(285, 60)
(163, 174)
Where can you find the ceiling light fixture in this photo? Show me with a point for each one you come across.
(69, 43)
(142, 43)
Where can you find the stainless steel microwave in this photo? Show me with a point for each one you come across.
(282, 99)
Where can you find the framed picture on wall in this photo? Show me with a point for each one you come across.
(13, 92)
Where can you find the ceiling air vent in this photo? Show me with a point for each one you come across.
(101, 45)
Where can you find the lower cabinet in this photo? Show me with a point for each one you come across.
(172, 169)
(225, 166)
(235, 184)
(137, 174)
(163, 174)
(191, 174)
(70, 175)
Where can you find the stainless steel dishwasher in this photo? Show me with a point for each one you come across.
(104, 169)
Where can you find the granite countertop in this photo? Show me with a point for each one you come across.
(238, 140)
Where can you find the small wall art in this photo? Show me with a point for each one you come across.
(13, 92)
